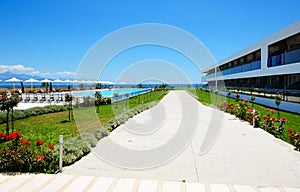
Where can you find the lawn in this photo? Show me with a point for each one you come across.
(216, 100)
(48, 127)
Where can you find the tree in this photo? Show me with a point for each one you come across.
(98, 86)
(81, 86)
(140, 85)
(7, 103)
(277, 100)
(69, 98)
(98, 101)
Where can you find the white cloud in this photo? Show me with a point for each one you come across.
(67, 73)
(18, 69)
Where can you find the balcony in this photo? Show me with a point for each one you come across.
(284, 58)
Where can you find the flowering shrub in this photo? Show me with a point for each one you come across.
(268, 122)
(18, 155)
(295, 138)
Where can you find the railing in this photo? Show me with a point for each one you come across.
(284, 58)
(243, 68)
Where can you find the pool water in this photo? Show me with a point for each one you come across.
(110, 93)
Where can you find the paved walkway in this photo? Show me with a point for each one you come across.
(240, 155)
(241, 159)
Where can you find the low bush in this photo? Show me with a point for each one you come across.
(101, 132)
(74, 149)
(89, 139)
(21, 114)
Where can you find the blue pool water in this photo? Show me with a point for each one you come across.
(110, 93)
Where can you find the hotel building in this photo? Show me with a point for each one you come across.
(271, 64)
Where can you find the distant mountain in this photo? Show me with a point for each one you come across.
(7, 75)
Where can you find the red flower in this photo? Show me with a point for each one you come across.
(39, 142)
(51, 146)
(273, 111)
(291, 138)
(266, 117)
(272, 127)
(268, 110)
(25, 142)
(290, 130)
(250, 110)
(273, 118)
(282, 119)
(244, 100)
(40, 158)
(2, 134)
(251, 122)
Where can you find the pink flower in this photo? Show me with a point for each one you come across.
(282, 119)
(266, 117)
(40, 158)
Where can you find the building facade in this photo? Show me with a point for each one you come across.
(270, 64)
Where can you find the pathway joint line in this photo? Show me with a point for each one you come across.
(66, 185)
(91, 184)
(231, 188)
(183, 187)
(113, 185)
(207, 187)
(22, 183)
(136, 185)
(256, 189)
(159, 186)
(6, 179)
(45, 183)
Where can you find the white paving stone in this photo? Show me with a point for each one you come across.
(191, 187)
(292, 189)
(171, 186)
(243, 188)
(79, 184)
(33, 184)
(102, 184)
(219, 188)
(269, 189)
(148, 186)
(57, 183)
(13, 182)
(125, 185)
(3, 177)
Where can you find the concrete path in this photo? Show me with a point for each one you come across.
(241, 155)
(73, 183)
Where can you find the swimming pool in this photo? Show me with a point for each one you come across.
(110, 93)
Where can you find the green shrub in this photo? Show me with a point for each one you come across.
(89, 139)
(101, 132)
(74, 149)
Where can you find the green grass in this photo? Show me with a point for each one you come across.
(216, 100)
(48, 127)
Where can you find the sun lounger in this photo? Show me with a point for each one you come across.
(27, 99)
(59, 99)
(35, 98)
(43, 98)
(51, 98)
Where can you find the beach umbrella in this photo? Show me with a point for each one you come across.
(68, 81)
(13, 80)
(57, 81)
(46, 81)
(31, 80)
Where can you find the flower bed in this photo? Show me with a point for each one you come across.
(268, 120)
(18, 155)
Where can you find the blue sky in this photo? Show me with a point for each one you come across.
(50, 38)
